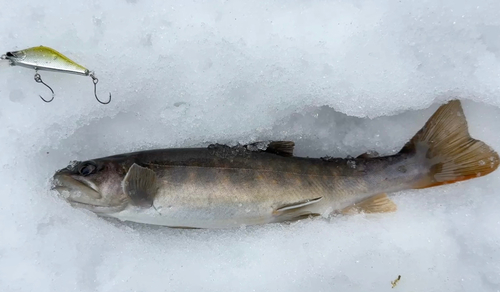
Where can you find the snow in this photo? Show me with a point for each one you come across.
(337, 77)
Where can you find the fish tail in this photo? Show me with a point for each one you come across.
(448, 151)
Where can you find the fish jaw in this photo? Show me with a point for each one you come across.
(72, 188)
(84, 194)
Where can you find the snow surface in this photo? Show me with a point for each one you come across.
(336, 77)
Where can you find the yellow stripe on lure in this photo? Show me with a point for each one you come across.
(48, 59)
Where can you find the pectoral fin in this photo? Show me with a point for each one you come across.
(140, 184)
(375, 204)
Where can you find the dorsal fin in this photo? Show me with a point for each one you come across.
(283, 148)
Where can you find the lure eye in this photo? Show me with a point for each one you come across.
(15, 55)
(87, 169)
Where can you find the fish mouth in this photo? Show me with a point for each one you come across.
(76, 190)
(83, 194)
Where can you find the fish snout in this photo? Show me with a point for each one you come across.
(71, 188)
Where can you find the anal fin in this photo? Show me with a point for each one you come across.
(375, 204)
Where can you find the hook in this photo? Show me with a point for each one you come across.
(38, 79)
(95, 80)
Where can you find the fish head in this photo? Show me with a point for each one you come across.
(95, 185)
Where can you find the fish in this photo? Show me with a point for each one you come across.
(223, 186)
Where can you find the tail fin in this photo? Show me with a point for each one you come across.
(451, 154)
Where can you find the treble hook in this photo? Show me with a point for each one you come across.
(38, 79)
(95, 80)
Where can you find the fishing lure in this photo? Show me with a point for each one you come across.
(48, 59)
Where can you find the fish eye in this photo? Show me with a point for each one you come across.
(87, 168)
(9, 54)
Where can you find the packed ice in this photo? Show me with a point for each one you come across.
(339, 78)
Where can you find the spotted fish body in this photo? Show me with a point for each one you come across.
(221, 186)
(255, 188)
